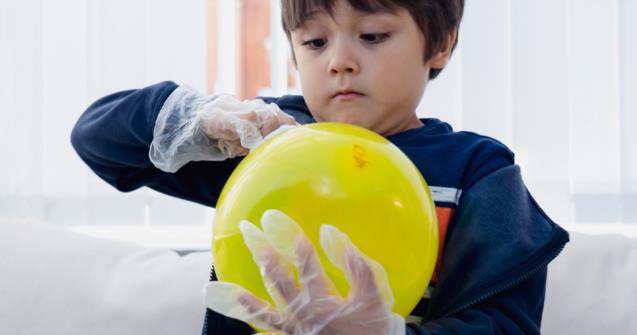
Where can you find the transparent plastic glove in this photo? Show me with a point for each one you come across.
(195, 127)
(312, 305)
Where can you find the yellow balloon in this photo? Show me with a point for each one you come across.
(339, 174)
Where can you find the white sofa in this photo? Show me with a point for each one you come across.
(592, 287)
(53, 281)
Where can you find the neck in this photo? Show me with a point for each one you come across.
(410, 123)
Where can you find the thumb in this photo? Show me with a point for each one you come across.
(249, 134)
(238, 303)
(365, 275)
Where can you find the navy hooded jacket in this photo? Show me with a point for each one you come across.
(495, 241)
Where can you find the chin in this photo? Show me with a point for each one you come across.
(353, 120)
(354, 115)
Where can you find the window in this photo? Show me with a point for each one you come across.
(248, 50)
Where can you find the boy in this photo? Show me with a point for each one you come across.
(363, 62)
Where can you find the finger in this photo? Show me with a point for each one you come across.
(263, 312)
(225, 114)
(269, 113)
(289, 120)
(269, 122)
(232, 148)
(279, 279)
(248, 132)
(218, 126)
(363, 286)
(235, 134)
(235, 302)
(272, 119)
(365, 276)
(282, 117)
(214, 117)
(282, 232)
(278, 275)
(291, 242)
(311, 272)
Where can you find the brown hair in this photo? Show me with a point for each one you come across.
(435, 18)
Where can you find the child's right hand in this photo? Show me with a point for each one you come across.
(195, 127)
(238, 127)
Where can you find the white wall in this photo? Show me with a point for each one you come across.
(556, 80)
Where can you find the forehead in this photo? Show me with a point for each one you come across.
(301, 11)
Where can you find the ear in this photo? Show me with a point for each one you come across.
(441, 58)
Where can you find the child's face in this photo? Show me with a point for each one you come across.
(378, 57)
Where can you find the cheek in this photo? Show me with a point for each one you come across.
(305, 72)
(311, 81)
(309, 86)
(408, 70)
(311, 91)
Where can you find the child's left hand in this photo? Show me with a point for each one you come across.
(313, 306)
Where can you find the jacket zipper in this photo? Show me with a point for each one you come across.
(509, 284)
(204, 330)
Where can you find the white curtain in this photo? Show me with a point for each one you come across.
(56, 57)
(555, 80)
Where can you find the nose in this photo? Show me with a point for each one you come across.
(343, 58)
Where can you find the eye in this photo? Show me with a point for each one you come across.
(315, 43)
(374, 38)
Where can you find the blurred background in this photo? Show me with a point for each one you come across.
(555, 80)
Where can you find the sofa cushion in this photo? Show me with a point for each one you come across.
(592, 287)
(54, 281)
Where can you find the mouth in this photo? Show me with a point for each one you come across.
(347, 95)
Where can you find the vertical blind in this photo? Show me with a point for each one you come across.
(555, 80)
(59, 56)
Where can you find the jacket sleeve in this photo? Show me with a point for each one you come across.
(113, 137)
(494, 266)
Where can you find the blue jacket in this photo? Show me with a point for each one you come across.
(495, 240)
